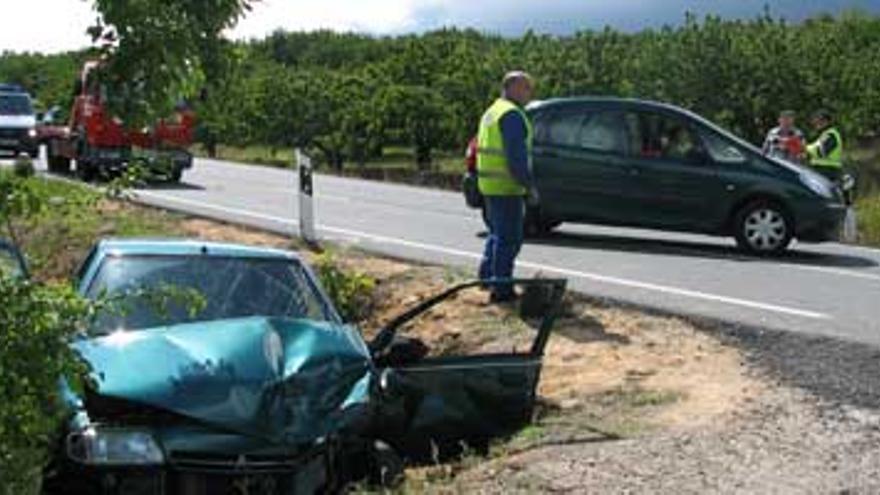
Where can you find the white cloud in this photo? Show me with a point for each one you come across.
(55, 25)
(343, 15)
(45, 25)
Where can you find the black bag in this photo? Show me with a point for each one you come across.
(471, 190)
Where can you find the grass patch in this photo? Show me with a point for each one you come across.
(393, 157)
(868, 210)
(58, 238)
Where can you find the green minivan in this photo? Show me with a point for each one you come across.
(638, 163)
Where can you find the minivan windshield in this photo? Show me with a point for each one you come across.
(221, 288)
(15, 104)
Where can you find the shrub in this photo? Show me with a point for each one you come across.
(352, 292)
(24, 167)
(36, 322)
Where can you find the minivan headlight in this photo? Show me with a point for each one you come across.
(32, 133)
(818, 185)
(114, 446)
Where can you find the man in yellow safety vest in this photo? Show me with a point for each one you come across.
(826, 153)
(504, 177)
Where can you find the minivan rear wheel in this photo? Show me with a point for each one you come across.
(763, 227)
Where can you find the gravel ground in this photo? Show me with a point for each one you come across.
(814, 429)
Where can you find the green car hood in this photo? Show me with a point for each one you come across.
(286, 381)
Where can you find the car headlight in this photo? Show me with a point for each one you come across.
(114, 446)
(32, 133)
(818, 185)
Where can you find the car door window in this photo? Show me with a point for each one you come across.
(658, 136)
(590, 131)
(722, 150)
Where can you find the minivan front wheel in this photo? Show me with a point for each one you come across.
(763, 227)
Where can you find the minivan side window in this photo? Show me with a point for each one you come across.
(593, 131)
(658, 136)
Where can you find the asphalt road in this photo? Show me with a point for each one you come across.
(826, 289)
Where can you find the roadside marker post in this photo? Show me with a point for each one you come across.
(306, 199)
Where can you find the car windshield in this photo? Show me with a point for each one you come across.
(15, 104)
(202, 288)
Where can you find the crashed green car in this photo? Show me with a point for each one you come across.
(263, 388)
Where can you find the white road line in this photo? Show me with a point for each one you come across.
(525, 264)
(837, 271)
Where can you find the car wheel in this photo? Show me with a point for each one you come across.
(764, 227)
(386, 466)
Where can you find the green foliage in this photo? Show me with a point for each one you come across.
(49, 78)
(36, 320)
(158, 51)
(351, 291)
(23, 167)
(349, 96)
(868, 209)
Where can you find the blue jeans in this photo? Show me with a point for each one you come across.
(504, 241)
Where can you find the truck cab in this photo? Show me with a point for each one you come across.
(103, 146)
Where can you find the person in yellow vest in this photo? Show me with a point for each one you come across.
(504, 177)
(826, 153)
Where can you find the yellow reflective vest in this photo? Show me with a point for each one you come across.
(833, 159)
(494, 177)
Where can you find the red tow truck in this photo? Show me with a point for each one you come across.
(101, 146)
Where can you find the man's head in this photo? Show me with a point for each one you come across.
(517, 87)
(822, 119)
(786, 119)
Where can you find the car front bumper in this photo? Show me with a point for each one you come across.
(17, 141)
(821, 223)
(204, 475)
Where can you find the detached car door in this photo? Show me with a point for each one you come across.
(476, 376)
(11, 261)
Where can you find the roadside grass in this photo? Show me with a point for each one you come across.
(865, 162)
(57, 239)
(868, 209)
(393, 158)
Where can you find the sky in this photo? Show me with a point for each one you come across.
(56, 25)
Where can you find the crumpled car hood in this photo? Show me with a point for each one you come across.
(287, 381)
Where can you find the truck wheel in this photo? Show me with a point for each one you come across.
(85, 171)
(58, 164)
(763, 227)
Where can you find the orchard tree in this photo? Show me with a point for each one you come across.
(156, 52)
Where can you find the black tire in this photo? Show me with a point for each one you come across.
(58, 164)
(763, 227)
(175, 175)
(86, 171)
(386, 466)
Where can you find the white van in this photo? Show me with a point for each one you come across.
(18, 122)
